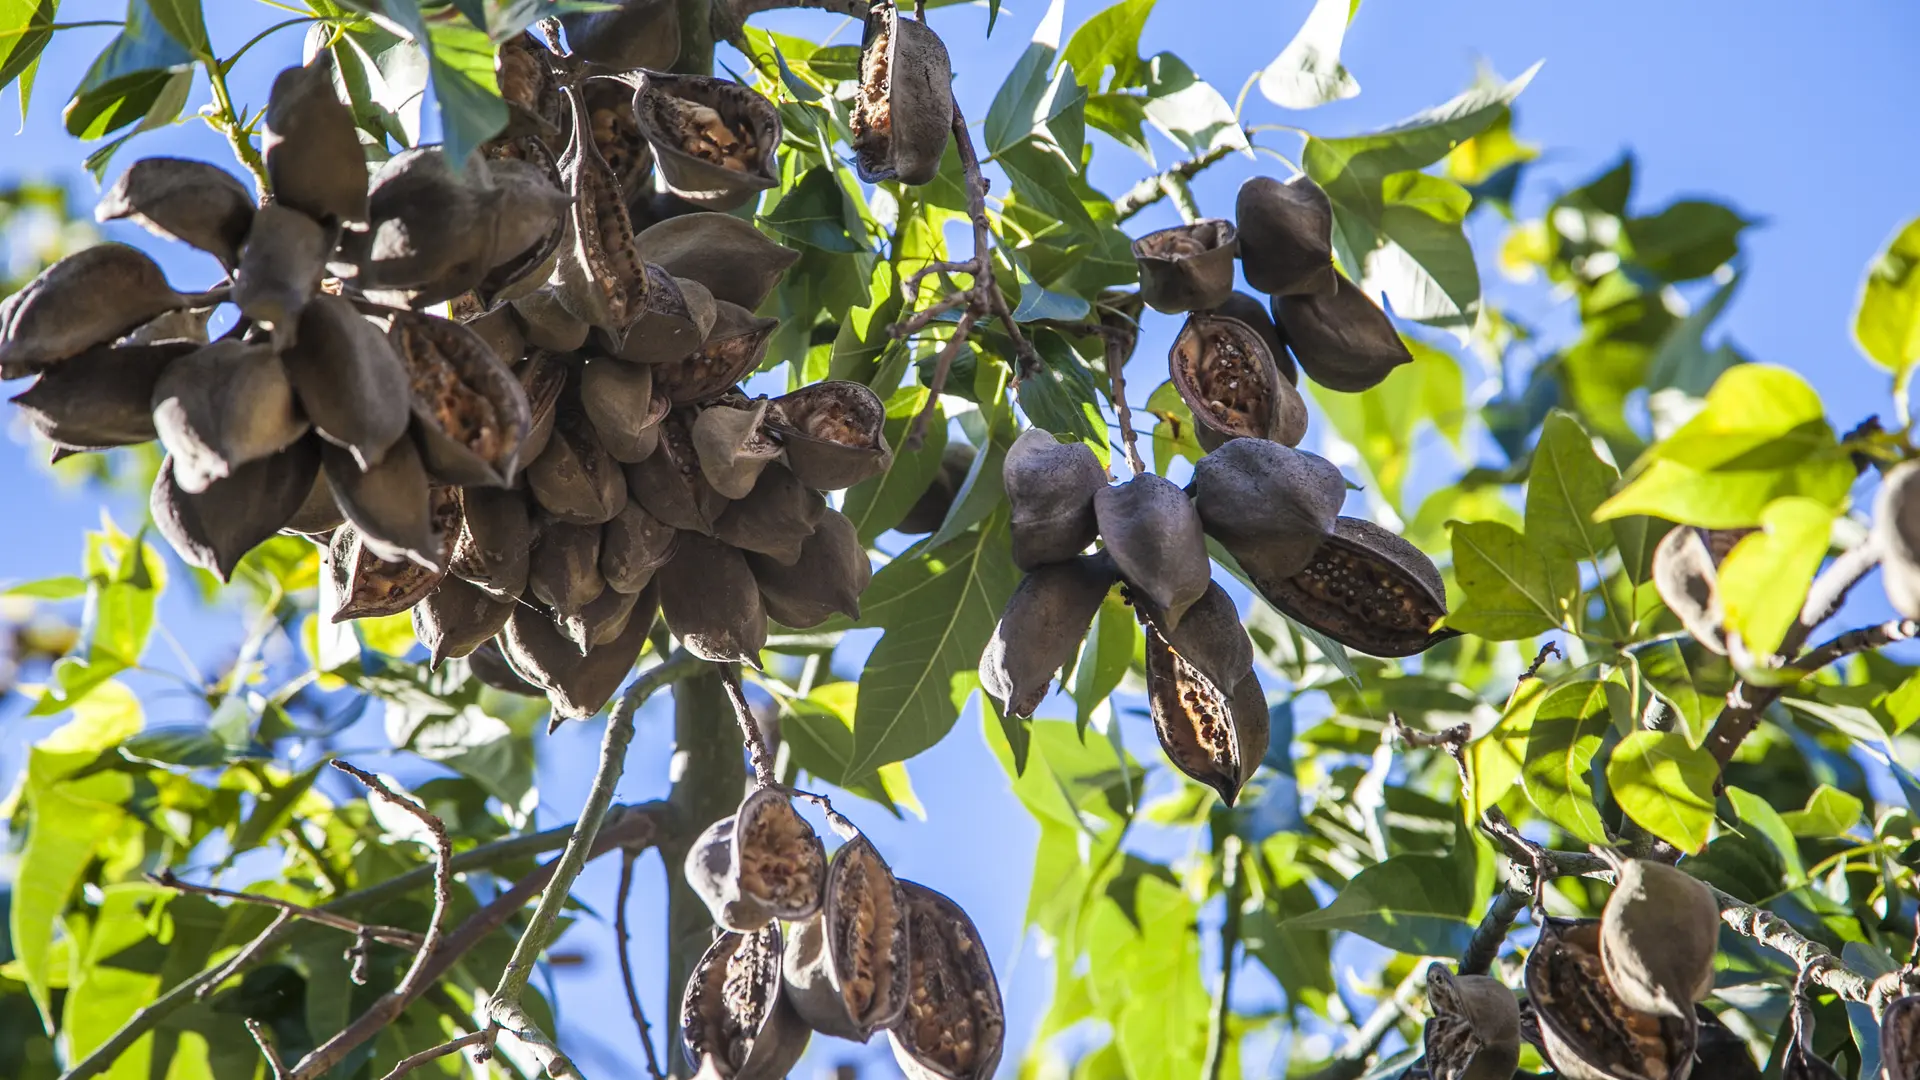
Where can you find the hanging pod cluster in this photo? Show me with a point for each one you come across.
(837, 947)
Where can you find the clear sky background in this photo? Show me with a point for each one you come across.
(1798, 115)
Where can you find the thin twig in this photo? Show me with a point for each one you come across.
(1154, 188)
(620, 936)
(1176, 189)
(391, 935)
(275, 1067)
(435, 1053)
(1865, 639)
(1120, 333)
(846, 829)
(211, 980)
(758, 756)
(942, 367)
(1350, 1061)
(442, 870)
(1484, 947)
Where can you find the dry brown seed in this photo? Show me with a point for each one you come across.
(847, 968)
(546, 322)
(1256, 314)
(458, 617)
(636, 34)
(1187, 267)
(903, 110)
(955, 1025)
(1342, 339)
(376, 587)
(1896, 532)
(312, 148)
(1658, 936)
(496, 536)
(215, 528)
(714, 141)
(711, 603)
(1286, 236)
(675, 319)
(88, 298)
(388, 504)
(616, 133)
(669, 484)
(834, 434)
(351, 383)
(734, 445)
(1150, 528)
(1588, 1032)
(735, 1019)
(632, 546)
(222, 406)
(1050, 489)
(574, 478)
(1270, 506)
(761, 863)
(490, 666)
(1040, 629)
(1475, 1030)
(775, 519)
(828, 578)
(603, 620)
(101, 398)
(1367, 589)
(542, 380)
(929, 512)
(733, 260)
(618, 399)
(181, 199)
(1196, 720)
(563, 571)
(599, 277)
(472, 413)
(733, 350)
(1226, 374)
(523, 67)
(1685, 578)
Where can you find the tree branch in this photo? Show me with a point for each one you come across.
(275, 1067)
(1154, 188)
(708, 784)
(412, 1062)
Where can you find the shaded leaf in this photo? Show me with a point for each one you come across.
(1513, 589)
(1420, 904)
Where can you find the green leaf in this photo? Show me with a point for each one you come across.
(819, 727)
(1513, 589)
(1756, 812)
(1109, 41)
(22, 38)
(183, 22)
(1062, 396)
(1188, 110)
(1173, 428)
(1765, 577)
(175, 745)
(1104, 657)
(1407, 238)
(1663, 664)
(814, 212)
(1041, 180)
(1143, 953)
(1830, 812)
(1665, 785)
(1421, 904)
(1683, 361)
(460, 57)
(1887, 324)
(1568, 726)
(877, 504)
(117, 975)
(1308, 72)
(1687, 240)
(1566, 484)
(1356, 165)
(1032, 105)
(53, 588)
(133, 79)
(1384, 423)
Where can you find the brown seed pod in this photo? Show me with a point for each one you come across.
(574, 478)
(577, 686)
(847, 968)
(676, 318)
(1658, 936)
(222, 406)
(1187, 267)
(619, 401)
(669, 484)
(526, 202)
(834, 434)
(389, 504)
(1210, 636)
(428, 238)
(542, 380)
(88, 298)
(1367, 589)
(775, 519)
(632, 546)
(1251, 723)
(733, 260)
(171, 327)
(602, 620)
(496, 536)
(714, 141)
(635, 34)
(524, 69)
(195, 202)
(711, 602)
(903, 110)
(1226, 374)
(1342, 339)
(470, 411)
(1197, 721)
(761, 863)
(501, 333)
(831, 573)
(1900, 1039)
(955, 1025)
(547, 323)
(490, 666)
(563, 571)
(1270, 506)
(599, 277)
(376, 587)
(1150, 528)
(312, 148)
(1050, 490)
(733, 350)
(1040, 630)
(458, 617)
(735, 1020)
(1475, 1030)
(318, 515)
(929, 512)
(1685, 578)
(1896, 532)
(351, 383)
(216, 527)
(1286, 236)
(734, 445)
(1589, 1033)
(101, 398)
(280, 267)
(1256, 314)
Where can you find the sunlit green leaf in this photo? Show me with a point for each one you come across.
(1420, 904)
(1308, 72)
(1665, 785)
(1513, 589)
(1765, 577)
(1887, 324)
(1567, 728)
(1663, 664)
(1829, 812)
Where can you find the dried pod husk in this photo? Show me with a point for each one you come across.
(496, 537)
(500, 331)
(1342, 339)
(525, 202)
(171, 327)
(1196, 720)
(318, 515)
(88, 298)
(312, 148)
(847, 968)
(1050, 490)
(1149, 527)
(563, 571)
(714, 140)
(955, 1025)
(1900, 1039)
(195, 202)
(616, 132)
(222, 406)
(711, 602)
(1896, 532)
(734, 446)
(1226, 374)
(599, 276)
(576, 685)
(1270, 506)
(1251, 723)
(775, 519)
(542, 380)
(214, 528)
(675, 319)
(632, 546)
(490, 666)
(733, 260)
(1210, 637)
(636, 34)
(389, 504)
(669, 484)
(619, 401)
(1040, 630)
(834, 434)
(547, 323)
(735, 1020)
(1475, 1030)
(470, 411)
(1658, 936)
(458, 617)
(732, 351)
(1286, 236)
(602, 620)
(351, 383)
(101, 398)
(1367, 589)
(929, 512)
(1589, 1033)
(524, 69)
(280, 267)
(1257, 314)
(1187, 267)
(903, 109)
(574, 478)
(428, 239)
(376, 587)
(828, 578)
(761, 863)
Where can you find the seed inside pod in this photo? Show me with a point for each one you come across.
(955, 1024)
(775, 519)
(194, 202)
(1194, 719)
(88, 298)
(312, 148)
(713, 140)
(1257, 314)
(669, 484)
(1187, 267)
(733, 260)
(471, 410)
(828, 578)
(903, 110)
(456, 618)
(1270, 506)
(1286, 236)
(1040, 629)
(350, 381)
(1342, 339)
(1050, 490)
(761, 863)
(377, 588)
(1226, 374)
(101, 398)
(522, 67)
(599, 273)
(711, 602)
(1589, 1033)
(215, 528)
(834, 434)
(1154, 535)
(734, 1017)
(847, 971)
(616, 132)
(574, 478)
(1658, 937)
(1475, 1030)
(733, 350)
(1368, 589)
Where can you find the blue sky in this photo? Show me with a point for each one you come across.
(1801, 120)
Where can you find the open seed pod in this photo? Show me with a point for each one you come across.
(496, 536)
(635, 34)
(632, 546)
(847, 968)
(713, 140)
(1150, 528)
(1900, 1039)
(1286, 236)
(1210, 636)
(222, 406)
(1187, 267)
(733, 350)
(735, 1019)
(546, 322)
(734, 445)
(101, 398)
(1269, 505)
(526, 202)
(376, 587)
(171, 327)
(88, 298)
(1896, 532)
(1658, 936)
(775, 519)
(458, 617)
(711, 602)
(955, 1025)
(280, 267)
(429, 238)
(195, 202)
(1367, 589)
(603, 620)
(470, 411)
(542, 380)
(1475, 1030)
(735, 261)
(903, 111)
(834, 434)
(1251, 723)
(1226, 374)
(616, 132)
(1050, 490)
(929, 512)
(669, 484)
(563, 571)
(831, 573)
(1589, 1033)
(574, 478)
(1040, 629)
(389, 504)
(312, 148)
(214, 528)
(1257, 314)
(524, 68)
(1342, 339)
(762, 863)
(1197, 722)
(674, 320)
(599, 277)
(351, 383)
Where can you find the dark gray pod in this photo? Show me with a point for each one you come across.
(376, 587)
(734, 445)
(733, 260)
(632, 546)
(217, 527)
(1900, 1039)
(1367, 589)
(669, 484)
(351, 383)
(1050, 489)
(1210, 637)
(735, 1020)
(500, 332)
(542, 380)
(574, 478)
(470, 412)
(428, 239)
(311, 147)
(618, 399)
(733, 350)
(195, 202)
(458, 617)
(711, 603)
(1187, 267)
(101, 398)
(1659, 933)
(834, 433)
(599, 277)
(847, 969)
(280, 267)
(828, 578)
(634, 34)
(318, 515)
(577, 686)
(1225, 372)
(547, 324)
(388, 504)
(1475, 1030)
(88, 298)
(759, 863)
(1342, 339)
(1689, 584)
(956, 1022)
(1154, 535)
(525, 203)
(1269, 505)
(601, 621)
(489, 665)
(714, 140)
(669, 325)
(903, 111)
(222, 406)
(1041, 628)
(496, 537)
(1198, 723)
(563, 571)
(1286, 236)
(775, 519)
